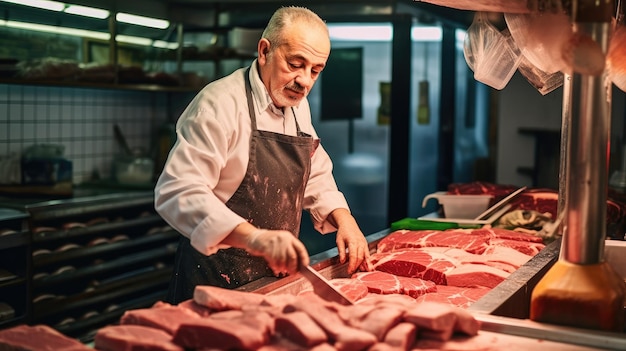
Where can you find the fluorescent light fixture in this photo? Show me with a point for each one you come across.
(42, 4)
(57, 30)
(142, 21)
(426, 33)
(376, 32)
(133, 40)
(165, 44)
(87, 11)
(380, 32)
(88, 34)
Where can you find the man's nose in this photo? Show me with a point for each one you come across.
(305, 80)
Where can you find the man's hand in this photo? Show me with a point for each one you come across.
(283, 252)
(351, 242)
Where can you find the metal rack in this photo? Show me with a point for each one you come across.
(88, 260)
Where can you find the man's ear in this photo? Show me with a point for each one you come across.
(263, 48)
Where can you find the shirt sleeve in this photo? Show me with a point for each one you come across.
(186, 193)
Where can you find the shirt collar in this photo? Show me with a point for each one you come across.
(260, 94)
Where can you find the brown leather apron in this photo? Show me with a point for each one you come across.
(270, 197)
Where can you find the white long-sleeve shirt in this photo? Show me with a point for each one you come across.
(210, 157)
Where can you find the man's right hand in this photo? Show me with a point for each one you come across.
(283, 252)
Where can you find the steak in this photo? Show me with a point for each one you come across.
(402, 336)
(475, 241)
(220, 333)
(475, 275)
(415, 264)
(164, 317)
(379, 282)
(351, 288)
(343, 336)
(133, 337)
(415, 287)
(380, 320)
(219, 299)
(504, 258)
(38, 338)
(456, 296)
(464, 239)
(442, 320)
(299, 328)
(526, 248)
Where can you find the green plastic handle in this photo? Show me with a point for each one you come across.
(421, 224)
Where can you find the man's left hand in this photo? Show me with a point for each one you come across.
(351, 242)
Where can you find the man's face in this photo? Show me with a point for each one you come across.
(290, 70)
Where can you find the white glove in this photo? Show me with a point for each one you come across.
(283, 252)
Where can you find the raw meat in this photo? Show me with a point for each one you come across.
(402, 336)
(38, 338)
(443, 319)
(194, 307)
(163, 316)
(378, 282)
(133, 337)
(527, 248)
(512, 235)
(506, 255)
(223, 299)
(415, 287)
(353, 289)
(403, 301)
(299, 328)
(503, 258)
(464, 239)
(416, 264)
(343, 337)
(456, 296)
(380, 320)
(219, 333)
(475, 241)
(473, 275)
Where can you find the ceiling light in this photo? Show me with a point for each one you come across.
(165, 44)
(380, 32)
(142, 21)
(128, 39)
(360, 32)
(42, 4)
(426, 33)
(87, 11)
(57, 30)
(89, 34)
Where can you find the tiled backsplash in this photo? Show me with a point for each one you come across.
(81, 120)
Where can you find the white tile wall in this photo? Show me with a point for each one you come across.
(80, 119)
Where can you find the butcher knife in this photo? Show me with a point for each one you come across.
(322, 287)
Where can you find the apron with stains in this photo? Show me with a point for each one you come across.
(269, 197)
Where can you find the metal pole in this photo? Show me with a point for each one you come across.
(587, 161)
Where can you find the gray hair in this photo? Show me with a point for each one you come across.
(285, 17)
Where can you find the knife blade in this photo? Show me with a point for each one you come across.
(322, 287)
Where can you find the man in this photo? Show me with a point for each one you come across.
(247, 161)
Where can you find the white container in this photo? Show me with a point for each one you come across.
(460, 206)
(133, 170)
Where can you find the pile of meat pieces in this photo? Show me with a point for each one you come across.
(219, 319)
(455, 266)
